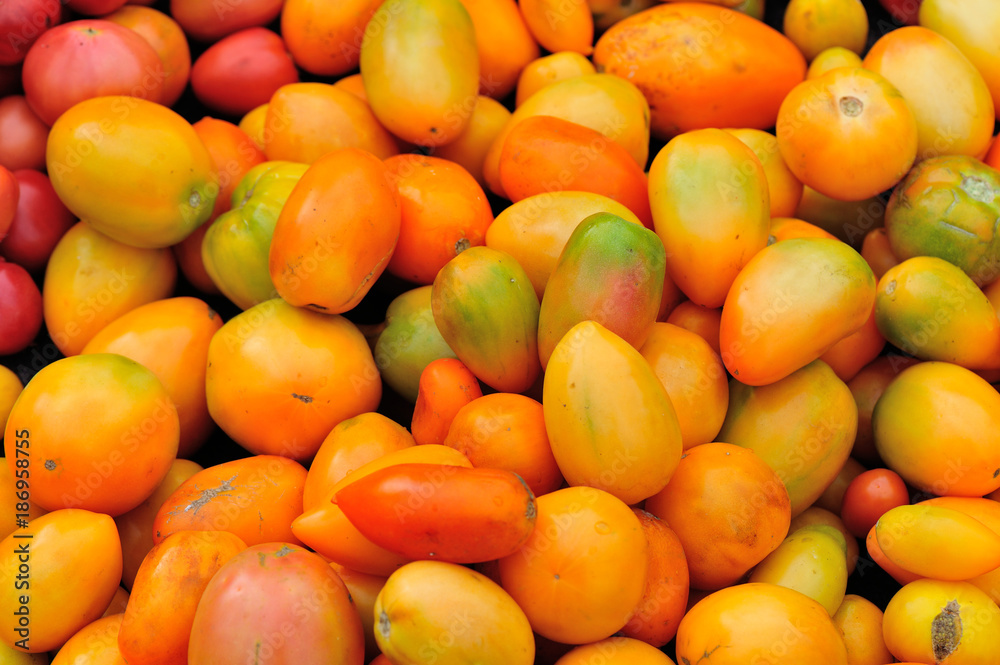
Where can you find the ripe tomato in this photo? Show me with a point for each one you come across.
(22, 134)
(39, 224)
(8, 200)
(870, 495)
(164, 34)
(89, 58)
(210, 21)
(21, 23)
(242, 70)
(20, 308)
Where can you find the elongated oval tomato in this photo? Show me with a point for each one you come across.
(815, 291)
(610, 421)
(682, 54)
(504, 42)
(611, 271)
(74, 560)
(710, 227)
(325, 38)
(95, 643)
(560, 26)
(336, 232)
(813, 561)
(421, 69)
(437, 511)
(486, 309)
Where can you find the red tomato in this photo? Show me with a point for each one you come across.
(39, 223)
(89, 58)
(904, 11)
(439, 511)
(22, 134)
(240, 72)
(94, 7)
(20, 308)
(869, 496)
(209, 21)
(8, 200)
(21, 23)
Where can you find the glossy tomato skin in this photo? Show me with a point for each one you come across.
(40, 222)
(868, 496)
(22, 133)
(211, 21)
(22, 22)
(89, 58)
(241, 71)
(20, 308)
(9, 195)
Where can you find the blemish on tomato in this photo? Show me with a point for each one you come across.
(50, 465)
(209, 494)
(384, 625)
(946, 631)
(305, 399)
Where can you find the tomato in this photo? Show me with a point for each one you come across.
(421, 69)
(327, 263)
(166, 592)
(293, 609)
(89, 58)
(95, 643)
(22, 135)
(39, 223)
(75, 562)
(242, 70)
(573, 31)
(713, 227)
(877, 251)
(860, 622)
(577, 599)
(170, 337)
(815, 515)
(135, 170)
(904, 11)
(848, 134)
(867, 387)
(759, 623)
(254, 498)
(167, 38)
(409, 342)
(610, 271)
(703, 321)
(444, 211)
(437, 511)
(681, 54)
(469, 148)
(325, 39)
(206, 22)
(438, 612)
(831, 58)
(20, 308)
(869, 496)
(784, 189)
(10, 484)
(91, 280)
(446, 386)
(22, 22)
(815, 25)
(616, 651)
(712, 516)
(548, 69)
(504, 42)
(811, 560)
(94, 7)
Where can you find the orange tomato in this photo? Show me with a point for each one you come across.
(233, 154)
(504, 42)
(254, 498)
(253, 125)
(848, 134)
(711, 228)
(703, 321)
(469, 148)
(694, 377)
(352, 443)
(616, 651)
(507, 431)
(681, 54)
(759, 623)
(325, 39)
(860, 623)
(75, 564)
(784, 189)
(118, 603)
(169, 337)
(786, 228)
(166, 592)
(725, 526)
(364, 589)
(443, 211)
(548, 69)
(327, 263)
(847, 220)
(867, 386)
(11, 488)
(571, 598)
(656, 617)
(308, 120)
(135, 528)
(851, 353)
(877, 251)
(91, 280)
(113, 464)
(208, 23)
(547, 154)
(560, 26)
(96, 643)
(446, 385)
(832, 498)
(167, 38)
(897, 572)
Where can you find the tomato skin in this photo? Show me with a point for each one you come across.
(22, 134)
(269, 586)
(89, 58)
(39, 223)
(313, 30)
(868, 496)
(242, 70)
(22, 22)
(209, 22)
(167, 38)
(436, 511)
(20, 308)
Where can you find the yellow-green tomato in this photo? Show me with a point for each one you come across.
(813, 561)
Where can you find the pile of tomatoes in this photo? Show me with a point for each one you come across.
(540, 331)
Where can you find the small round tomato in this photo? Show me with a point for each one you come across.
(870, 495)
(40, 222)
(241, 71)
(22, 134)
(21, 23)
(89, 58)
(20, 308)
